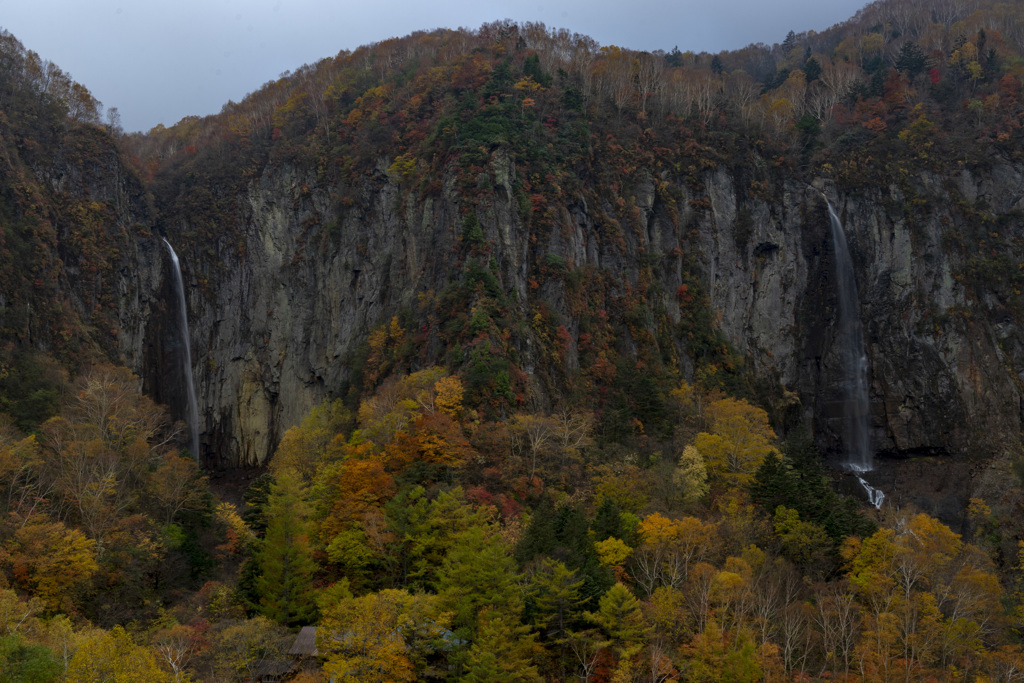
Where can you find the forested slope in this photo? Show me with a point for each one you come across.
(542, 212)
(513, 324)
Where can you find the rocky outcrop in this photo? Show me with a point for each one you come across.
(274, 321)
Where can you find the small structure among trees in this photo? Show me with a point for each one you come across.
(303, 650)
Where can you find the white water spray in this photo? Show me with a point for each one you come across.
(850, 341)
(186, 355)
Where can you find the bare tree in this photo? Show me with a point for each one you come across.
(648, 69)
(835, 618)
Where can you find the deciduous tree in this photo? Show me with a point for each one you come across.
(739, 440)
(53, 562)
(113, 657)
(385, 637)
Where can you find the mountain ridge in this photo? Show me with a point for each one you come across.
(540, 160)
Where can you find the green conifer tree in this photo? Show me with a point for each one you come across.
(479, 573)
(502, 652)
(285, 559)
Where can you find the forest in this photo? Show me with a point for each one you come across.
(622, 499)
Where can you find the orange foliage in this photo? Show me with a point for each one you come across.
(353, 489)
(433, 438)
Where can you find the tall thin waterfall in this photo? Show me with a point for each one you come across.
(186, 355)
(850, 341)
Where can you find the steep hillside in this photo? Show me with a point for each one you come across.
(518, 358)
(78, 266)
(556, 219)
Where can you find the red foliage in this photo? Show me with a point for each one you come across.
(1009, 88)
(605, 667)
(876, 124)
(507, 507)
(564, 338)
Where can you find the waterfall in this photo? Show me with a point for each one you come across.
(185, 355)
(850, 340)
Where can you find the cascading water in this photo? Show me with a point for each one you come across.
(186, 355)
(850, 340)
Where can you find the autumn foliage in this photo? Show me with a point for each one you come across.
(540, 470)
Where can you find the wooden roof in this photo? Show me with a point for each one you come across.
(305, 643)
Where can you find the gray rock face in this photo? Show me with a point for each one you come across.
(274, 322)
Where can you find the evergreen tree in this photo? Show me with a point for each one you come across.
(285, 559)
(607, 521)
(479, 573)
(555, 599)
(619, 616)
(532, 68)
(912, 59)
(539, 538)
(797, 481)
(255, 498)
(789, 43)
(502, 652)
(23, 663)
(425, 531)
(812, 69)
(571, 528)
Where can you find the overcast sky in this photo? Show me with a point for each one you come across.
(157, 61)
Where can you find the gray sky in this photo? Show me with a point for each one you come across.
(157, 61)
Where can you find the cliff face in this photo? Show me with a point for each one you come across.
(275, 320)
(114, 284)
(942, 361)
(80, 270)
(281, 316)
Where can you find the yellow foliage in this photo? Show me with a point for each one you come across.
(691, 476)
(383, 343)
(686, 395)
(303, 447)
(53, 562)
(626, 486)
(612, 552)
(527, 84)
(380, 638)
(398, 402)
(978, 510)
(669, 548)
(726, 586)
(239, 533)
(740, 440)
(113, 658)
(17, 614)
(448, 399)
(403, 166)
(920, 586)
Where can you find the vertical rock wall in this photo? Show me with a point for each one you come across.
(274, 322)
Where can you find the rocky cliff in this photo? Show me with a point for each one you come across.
(541, 218)
(277, 320)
